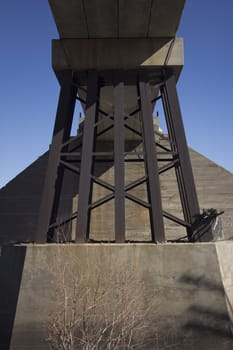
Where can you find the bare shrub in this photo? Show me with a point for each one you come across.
(107, 310)
(62, 231)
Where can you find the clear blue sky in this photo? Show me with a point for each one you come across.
(29, 90)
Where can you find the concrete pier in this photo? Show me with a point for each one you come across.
(188, 288)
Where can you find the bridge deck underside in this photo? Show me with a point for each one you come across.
(116, 19)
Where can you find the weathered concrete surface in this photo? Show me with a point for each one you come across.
(224, 253)
(184, 286)
(116, 19)
(215, 188)
(20, 201)
(11, 269)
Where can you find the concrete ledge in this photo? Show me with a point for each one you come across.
(184, 287)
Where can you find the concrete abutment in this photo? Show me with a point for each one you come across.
(188, 288)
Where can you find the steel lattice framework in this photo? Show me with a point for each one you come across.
(81, 149)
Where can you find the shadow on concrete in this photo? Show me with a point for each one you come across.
(201, 282)
(19, 203)
(11, 269)
(211, 321)
(208, 330)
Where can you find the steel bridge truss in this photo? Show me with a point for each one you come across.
(82, 148)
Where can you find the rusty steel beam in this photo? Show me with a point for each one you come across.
(85, 182)
(179, 146)
(119, 143)
(54, 175)
(151, 166)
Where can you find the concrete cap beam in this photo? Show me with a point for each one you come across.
(108, 54)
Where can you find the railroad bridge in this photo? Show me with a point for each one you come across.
(117, 187)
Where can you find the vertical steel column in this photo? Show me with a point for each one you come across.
(85, 182)
(153, 185)
(54, 175)
(119, 174)
(176, 131)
